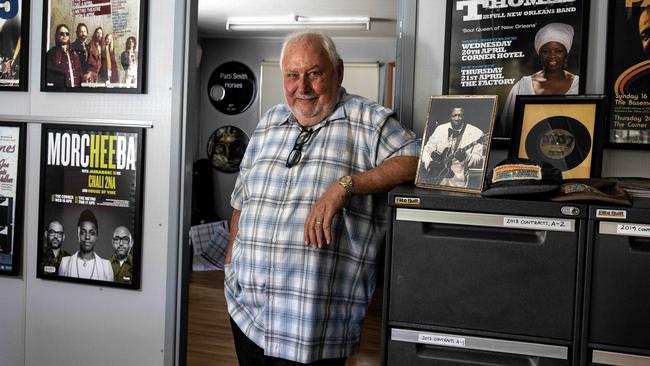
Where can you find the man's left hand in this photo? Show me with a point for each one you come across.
(319, 221)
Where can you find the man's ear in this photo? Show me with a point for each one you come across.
(339, 71)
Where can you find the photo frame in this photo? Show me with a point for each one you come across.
(12, 183)
(14, 45)
(456, 142)
(90, 214)
(95, 47)
(493, 50)
(564, 131)
(628, 76)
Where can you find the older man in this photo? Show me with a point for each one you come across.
(53, 251)
(85, 263)
(307, 227)
(122, 261)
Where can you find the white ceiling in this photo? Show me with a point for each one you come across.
(213, 14)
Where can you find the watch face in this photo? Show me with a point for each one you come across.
(347, 180)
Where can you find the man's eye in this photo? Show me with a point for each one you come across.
(314, 74)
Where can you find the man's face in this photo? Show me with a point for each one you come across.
(456, 118)
(62, 36)
(87, 236)
(97, 37)
(54, 235)
(122, 242)
(644, 31)
(82, 33)
(311, 82)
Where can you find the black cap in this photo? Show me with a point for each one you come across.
(518, 176)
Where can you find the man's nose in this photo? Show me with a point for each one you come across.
(304, 85)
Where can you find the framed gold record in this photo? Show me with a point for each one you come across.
(561, 130)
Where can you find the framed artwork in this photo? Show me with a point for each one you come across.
(504, 48)
(90, 214)
(94, 46)
(561, 130)
(14, 45)
(456, 142)
(628, 74)
(12, 183)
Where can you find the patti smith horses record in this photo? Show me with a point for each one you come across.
(560, 140)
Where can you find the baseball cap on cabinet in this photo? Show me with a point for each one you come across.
(594, 189)
(518, 176)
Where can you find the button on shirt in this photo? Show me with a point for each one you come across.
(295, 301)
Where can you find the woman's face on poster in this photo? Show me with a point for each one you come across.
(552, 56)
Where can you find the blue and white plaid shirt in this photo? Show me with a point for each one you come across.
(297, 302)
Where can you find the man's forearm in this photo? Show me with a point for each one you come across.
(390, 173)
(234, 229)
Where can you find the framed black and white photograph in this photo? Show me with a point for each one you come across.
(564, 131)
(14, 45)
(90, 215)
(94, 46)
(515, 48)
(12, 183)
(628, 74)
(456, 142)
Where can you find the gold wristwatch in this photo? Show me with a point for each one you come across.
(346, 182)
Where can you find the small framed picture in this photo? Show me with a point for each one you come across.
(561, 130)
(12, 182)
(456, 142)
(94, 46)
(14, 45)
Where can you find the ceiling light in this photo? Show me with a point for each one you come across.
(292, 22)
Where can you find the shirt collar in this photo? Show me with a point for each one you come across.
(338, 113)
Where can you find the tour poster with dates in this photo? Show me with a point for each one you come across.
(490, 46)
(628, 73)
(90, 209)
(12, 181)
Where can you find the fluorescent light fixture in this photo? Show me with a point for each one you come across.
(292, 22)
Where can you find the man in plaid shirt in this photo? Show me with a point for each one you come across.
(309, 215)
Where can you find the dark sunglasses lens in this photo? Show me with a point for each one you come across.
(64, 33)
(303, 137)
(294, 158)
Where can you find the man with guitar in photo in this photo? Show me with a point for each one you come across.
(452, 149)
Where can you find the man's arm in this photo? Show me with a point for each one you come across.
(387, 175)
(234, 229)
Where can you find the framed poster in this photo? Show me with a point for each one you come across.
(90, 205)
(456, 143)
(561, 130)
(12, 182)
(94, 46)
(14, 45)
(628, 74)
(515, 48)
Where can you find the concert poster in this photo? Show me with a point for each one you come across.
(90, 205)
(628, 74)
(14, 45)
(490, 49)
(96, 46)
(12, 178)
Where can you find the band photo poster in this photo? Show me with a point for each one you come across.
(456, 143)
(94, 46)
(14, 44)
(90, 209)
(628, 73)
(510, 48)
(12, 178)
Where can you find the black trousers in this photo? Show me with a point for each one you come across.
(250, 354)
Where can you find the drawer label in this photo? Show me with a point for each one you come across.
(602, 213)
(633, 229)
(540, 223)
(441, 340)
(410, 201)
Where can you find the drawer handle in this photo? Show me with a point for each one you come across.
(473, 357)
(638, 244)
(488, 233)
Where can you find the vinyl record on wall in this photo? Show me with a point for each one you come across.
(232, 88)
(226, 147)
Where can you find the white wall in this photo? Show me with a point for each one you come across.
(429, 59)
(252, 52)
(54, 323)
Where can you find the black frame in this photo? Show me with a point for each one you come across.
(596, 131)
(622, 62)
(141, 38)
(18, 201)
(23, 64)
(67, 181)
(502, 130)
(480, 112)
